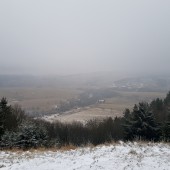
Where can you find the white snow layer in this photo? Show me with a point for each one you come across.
(127, 156)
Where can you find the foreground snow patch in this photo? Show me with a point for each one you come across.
(114, 157)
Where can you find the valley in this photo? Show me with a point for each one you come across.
(66, 100)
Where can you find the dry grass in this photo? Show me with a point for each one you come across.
(44, 99)
(68, 147)
(138, 143)
(85, 114)
(128, 99)
(40, 99)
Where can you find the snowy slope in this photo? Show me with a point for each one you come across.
(117, 156)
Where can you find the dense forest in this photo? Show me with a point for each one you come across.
(146, 121)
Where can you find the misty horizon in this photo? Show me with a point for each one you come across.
(83, 37)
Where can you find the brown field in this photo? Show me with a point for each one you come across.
(128, 99)
(41, 99)
(44, 99)
(111, 108)
(83, 114)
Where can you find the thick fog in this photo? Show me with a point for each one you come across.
(83, 36)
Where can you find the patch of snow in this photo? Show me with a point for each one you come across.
(137, 156)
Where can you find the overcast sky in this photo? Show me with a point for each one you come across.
(79, 36)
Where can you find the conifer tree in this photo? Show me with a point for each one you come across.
(165, 128)
(141, 124)
(5, 111)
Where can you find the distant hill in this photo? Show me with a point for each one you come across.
(26, 81)
(93, 80)
(149, 83)
(79, 80)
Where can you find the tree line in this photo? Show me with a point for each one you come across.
(146, 121)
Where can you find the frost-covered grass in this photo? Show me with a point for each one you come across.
(145, 156)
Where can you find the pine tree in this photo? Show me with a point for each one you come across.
(167, 99)
(126, 113)
(141, 124)
(31, 135)
(165, 126)
(158, 108)
(5, 112)
(166, 131)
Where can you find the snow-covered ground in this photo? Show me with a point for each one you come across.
(145, 156)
